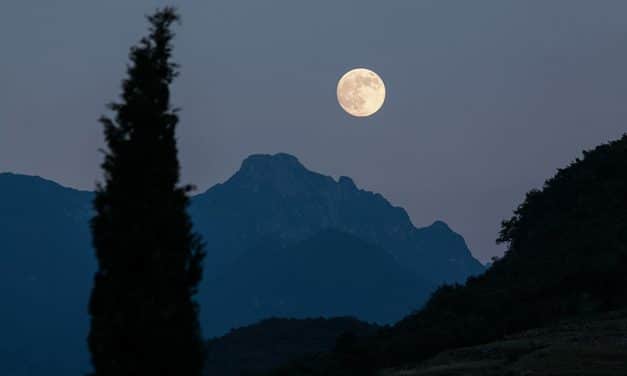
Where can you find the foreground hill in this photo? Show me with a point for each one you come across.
(590, 345)
(595, 345)
(567, 256)
(272, 342)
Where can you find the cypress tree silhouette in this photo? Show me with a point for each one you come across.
(143, 315)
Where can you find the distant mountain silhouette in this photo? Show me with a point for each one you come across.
(330, 274)
(276, 197)
(46, 268)
(273, 342)
(263, 217)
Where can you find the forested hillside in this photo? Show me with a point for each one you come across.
(272, 342)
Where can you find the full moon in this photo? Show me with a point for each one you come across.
(361, 92)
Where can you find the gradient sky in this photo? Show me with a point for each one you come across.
(486, 99)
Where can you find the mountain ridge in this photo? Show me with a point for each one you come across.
(48, 263)
(566, 260)
(277, 191)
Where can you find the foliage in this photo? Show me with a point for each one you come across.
(567, 255)
(272, 342)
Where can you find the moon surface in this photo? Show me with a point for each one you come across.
(361, 92)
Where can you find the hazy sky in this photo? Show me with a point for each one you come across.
(485, 98)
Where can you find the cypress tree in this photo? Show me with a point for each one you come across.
(143, 314)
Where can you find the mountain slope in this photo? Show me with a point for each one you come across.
(272, 342)
(594, 345)
(567, 255)
(329, 274)
(276, 197)
(272, 203)
(46, 268)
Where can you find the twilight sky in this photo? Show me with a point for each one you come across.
(486, 99)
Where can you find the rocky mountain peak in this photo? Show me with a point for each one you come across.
(268, 163)
(440, 226)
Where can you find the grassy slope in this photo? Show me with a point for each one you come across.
(590, 346)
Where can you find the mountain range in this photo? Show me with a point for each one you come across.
(273, 214)
(566, 261)
(276, 197)
(281, 241)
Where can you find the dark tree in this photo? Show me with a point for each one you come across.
(143, 315)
